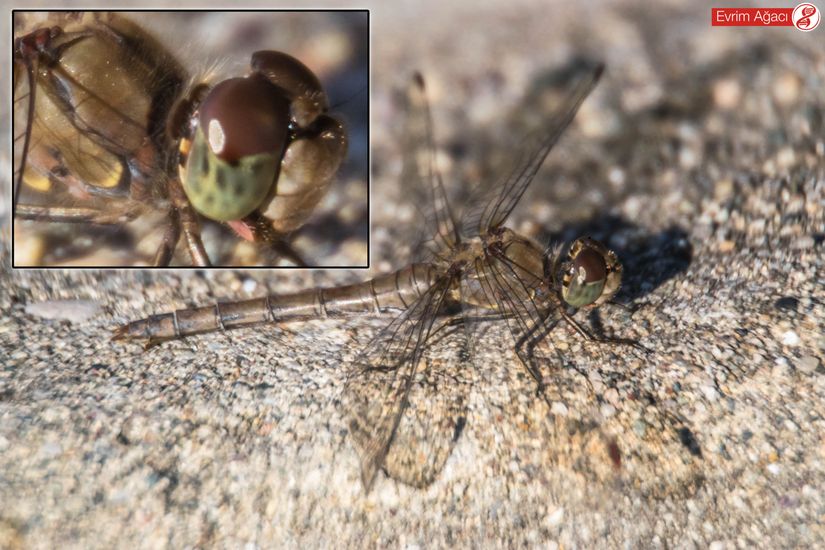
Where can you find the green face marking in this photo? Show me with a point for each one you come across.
(580, 293)
(222, 191)
(586, 275)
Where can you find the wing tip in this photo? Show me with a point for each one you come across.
(369, 471)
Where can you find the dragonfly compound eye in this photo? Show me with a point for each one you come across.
(584, 279)
(299, 83)
(237, 148)
(592, 275)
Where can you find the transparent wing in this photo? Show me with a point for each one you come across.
(405, 395)
(604, 431)
(48, 186)
(80, 141)
(23, 111)
(421, 179)
(492, 203)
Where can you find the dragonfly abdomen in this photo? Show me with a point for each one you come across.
(391, 291)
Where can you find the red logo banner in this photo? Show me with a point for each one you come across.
(804, 17)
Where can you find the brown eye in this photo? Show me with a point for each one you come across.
(236, 152)
(592, 274)
(245, 116)
(589, 266)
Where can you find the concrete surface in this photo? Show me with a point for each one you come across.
(700, 158)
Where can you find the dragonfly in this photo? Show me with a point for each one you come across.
(405, 391)
(109, 130)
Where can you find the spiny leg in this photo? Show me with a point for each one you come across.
(602, 339)
(284, 249)
(171, 236)
(261, 231)
(189, 224)
(524, 349)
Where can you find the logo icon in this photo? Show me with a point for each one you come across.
(806, 17)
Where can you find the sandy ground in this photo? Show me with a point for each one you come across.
(700, 159)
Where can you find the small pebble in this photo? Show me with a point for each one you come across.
(786, 88)
(808, 364)
(723, 189)
(790, 338)
(74, 311)
(710, 393)
(249, 285)
(785, 158)
(616, 177)
(554, 518)
(786, 302)
(726, 93)
(688, 158)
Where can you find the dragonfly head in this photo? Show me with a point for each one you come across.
(590, 275)
(241, 132)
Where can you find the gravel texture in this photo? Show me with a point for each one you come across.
(699, 158)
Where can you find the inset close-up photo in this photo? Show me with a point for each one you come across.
(231, 139)
(593, 316)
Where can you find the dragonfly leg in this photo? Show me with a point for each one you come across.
(621, 305)
(260, 230)
(602, 339)
(524, 349)
(170, 241)
(459, 319)
(189, 224)
(283, 248)
(449, 325)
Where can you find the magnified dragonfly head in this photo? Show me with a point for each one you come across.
(590, 275)
(241, 131)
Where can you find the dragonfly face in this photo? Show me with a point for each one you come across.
(106, 134)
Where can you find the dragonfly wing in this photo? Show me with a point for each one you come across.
(603, 429)
(23, 103)
(405, 395)
(421, 178)
(491, 204)
(88, 141)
